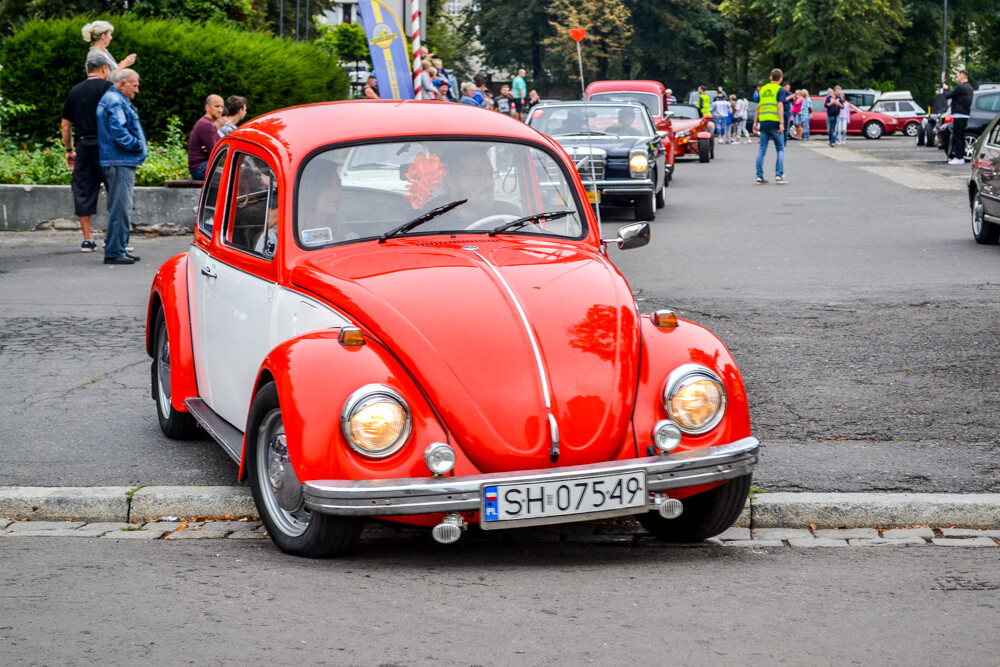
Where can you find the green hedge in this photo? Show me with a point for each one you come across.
(179, 64)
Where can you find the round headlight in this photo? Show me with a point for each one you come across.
(376, 421)
(695, 399)
(439, 457)
(638, 162)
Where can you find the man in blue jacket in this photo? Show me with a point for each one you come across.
(122, 146)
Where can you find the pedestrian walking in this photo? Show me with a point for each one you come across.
(204, 136)
(236, 111)
(807, 107)
(740, 116)
(769, 123)
(833, 106)
(122, 146)
(99, 34)
(704, 103)
(720, 114)
(79, 135)
(961, 106)
(789, 96)
(797, 115)
(843, 117)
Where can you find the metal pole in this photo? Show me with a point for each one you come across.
(281, 18)
(297, 20)
(307, 20)
(944, 46)
(590, 147)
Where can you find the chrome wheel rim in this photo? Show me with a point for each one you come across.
(970, 146)
(163, 371)
(272, 453)
(911, 129)
(873, 131)
(977, 217)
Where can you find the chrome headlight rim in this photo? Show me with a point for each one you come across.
(362, 398)
(683, 375)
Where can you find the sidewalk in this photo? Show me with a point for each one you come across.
(770, 519)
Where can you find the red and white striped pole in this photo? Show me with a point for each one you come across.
(415, 27)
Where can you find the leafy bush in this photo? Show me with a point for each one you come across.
(179, 65)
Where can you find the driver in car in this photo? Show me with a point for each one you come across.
(469, 175)
(627, 124)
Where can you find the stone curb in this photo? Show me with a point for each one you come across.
(766, 510)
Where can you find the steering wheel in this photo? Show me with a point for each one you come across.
(492, 221)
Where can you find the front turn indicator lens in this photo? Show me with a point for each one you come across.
(695, 399)
(376, 421)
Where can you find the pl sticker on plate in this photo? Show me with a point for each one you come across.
(490, 503)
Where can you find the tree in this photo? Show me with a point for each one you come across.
(510, 33)
(346, 42)
(609, 34)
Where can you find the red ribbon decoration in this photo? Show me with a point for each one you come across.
(577, 34)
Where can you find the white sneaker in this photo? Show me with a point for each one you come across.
(956, 160)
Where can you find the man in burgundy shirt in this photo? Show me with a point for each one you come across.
(204, 134)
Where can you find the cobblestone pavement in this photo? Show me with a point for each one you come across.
(621, 534)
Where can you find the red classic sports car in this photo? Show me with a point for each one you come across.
(405, 310)
(694, 133)
(868, 123)
(651, 94)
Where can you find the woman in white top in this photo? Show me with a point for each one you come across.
(98, 34)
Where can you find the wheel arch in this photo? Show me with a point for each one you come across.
(169, 294)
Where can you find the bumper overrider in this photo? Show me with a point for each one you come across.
(611, 187)
(427, 495)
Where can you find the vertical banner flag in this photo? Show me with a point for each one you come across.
(388, 50)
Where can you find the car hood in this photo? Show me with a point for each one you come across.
(681, 124)
(613, 145)
(455, 318)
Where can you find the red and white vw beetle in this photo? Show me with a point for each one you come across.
(404, 310)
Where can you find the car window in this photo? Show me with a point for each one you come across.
(210, 197)
(685, 111)
(649, 100)
(885, 107)
(253, 226)
(989, 103)
(625, 121)
(909, 107)
(361, 192)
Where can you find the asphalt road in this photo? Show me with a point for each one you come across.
(854, 299)
(413, 603)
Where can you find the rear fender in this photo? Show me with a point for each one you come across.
(704, 135)
(663, 350)
(170, 293)
(315, 375)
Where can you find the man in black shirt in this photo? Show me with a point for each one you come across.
(961, 107)
(79, 122)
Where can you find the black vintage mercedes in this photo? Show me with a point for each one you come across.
(616, 149)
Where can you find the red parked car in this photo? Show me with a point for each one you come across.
(651, 94)
(871, 124)
(694, 134)
(381, 318)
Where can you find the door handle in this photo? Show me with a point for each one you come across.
(206, 271)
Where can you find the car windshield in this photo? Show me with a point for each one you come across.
(365, 191)
(649, 100)
(685, 111)
(625, 120)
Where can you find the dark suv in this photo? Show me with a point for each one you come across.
(985, 107)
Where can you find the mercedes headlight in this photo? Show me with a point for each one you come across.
(638, 162)
(375, 421)
(695, 399)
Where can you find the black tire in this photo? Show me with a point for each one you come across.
(711, 148)
(703, 150)
(985, 233)
(912, 129)
(645, 207)
(661, 198)
(705, 515)
(175, 424)
(921, 137)
(873, 130)
(943, 140)
(298, 532)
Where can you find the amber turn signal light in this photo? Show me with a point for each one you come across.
(664, 319)
(351, 337)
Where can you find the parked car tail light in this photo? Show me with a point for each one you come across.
(695, 399)
(375, 421)
(637, 164)
(947, 119)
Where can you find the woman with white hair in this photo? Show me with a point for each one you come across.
(98, 34)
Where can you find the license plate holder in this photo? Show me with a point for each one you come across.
(593, 197)
(584, 498)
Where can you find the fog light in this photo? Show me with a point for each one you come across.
(666, 436)
(671, 508)
(449, 530)
(439, 457)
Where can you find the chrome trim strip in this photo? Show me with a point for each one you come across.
(387, 497)
(224, 433)
(527, 328)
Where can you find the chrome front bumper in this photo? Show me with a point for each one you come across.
(621, 186)
(426, 495)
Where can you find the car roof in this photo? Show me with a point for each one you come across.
(623, 85)
(297, 131)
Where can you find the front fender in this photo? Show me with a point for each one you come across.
(663, 350)
(315, 375)
(169, 292)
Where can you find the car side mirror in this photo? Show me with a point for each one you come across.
(631, 236)
(662, 133)
(669, 114)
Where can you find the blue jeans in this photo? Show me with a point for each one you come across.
(805, 125)
(121, 201)
(779, 144)
(831, 129)
(198, 174)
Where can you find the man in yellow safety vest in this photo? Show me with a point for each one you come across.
(769, 123)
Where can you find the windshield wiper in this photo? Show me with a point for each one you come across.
(551, 215)
(593, 132)
(421, 219)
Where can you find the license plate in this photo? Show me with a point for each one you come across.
(593, 197)
(575, 499)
